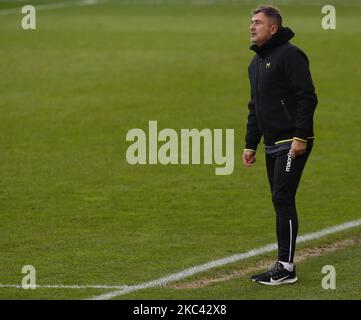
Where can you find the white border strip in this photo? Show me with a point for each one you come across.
(221, 262)
(53, 6)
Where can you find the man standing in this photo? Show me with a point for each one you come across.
(281, 109)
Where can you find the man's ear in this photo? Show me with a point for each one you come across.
(274, 29)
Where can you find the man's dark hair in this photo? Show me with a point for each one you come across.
(271, 12)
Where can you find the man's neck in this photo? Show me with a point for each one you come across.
(260, 44)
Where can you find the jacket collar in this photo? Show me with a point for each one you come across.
(282, 36)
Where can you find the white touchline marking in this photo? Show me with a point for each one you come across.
(124, 289)
(61, 286)
(224, 261)
(53, 6)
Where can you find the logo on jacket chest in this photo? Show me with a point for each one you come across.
(268, 65)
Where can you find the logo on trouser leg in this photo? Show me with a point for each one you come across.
(289, 161)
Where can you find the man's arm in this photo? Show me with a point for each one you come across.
(253, 136)
(299, 77)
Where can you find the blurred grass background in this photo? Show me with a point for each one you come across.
(71, 89)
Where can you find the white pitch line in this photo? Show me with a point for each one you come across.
(61, 286)
(53, 6)
(124, 289)
(221, 262)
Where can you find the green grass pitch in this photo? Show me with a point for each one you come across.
(70, 204)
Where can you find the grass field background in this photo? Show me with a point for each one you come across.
(71, 205)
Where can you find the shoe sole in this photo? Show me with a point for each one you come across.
(286, 281)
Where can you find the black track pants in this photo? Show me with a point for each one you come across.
(284, 175)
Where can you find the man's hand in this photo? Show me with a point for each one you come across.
(298, 148)
(249, 157)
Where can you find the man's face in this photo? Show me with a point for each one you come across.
(261, 29)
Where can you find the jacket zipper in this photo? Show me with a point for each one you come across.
(285, 109)
(257, 97)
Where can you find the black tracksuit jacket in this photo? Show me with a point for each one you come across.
(283, 98)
